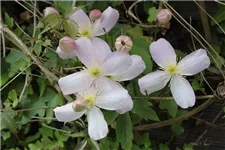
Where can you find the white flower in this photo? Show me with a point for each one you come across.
(94, 99)
(103, 67)
(89, 29)
(164, 55)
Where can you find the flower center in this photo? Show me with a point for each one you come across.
(95, 72)
(123, 43)
(86, 33)
(172, 69)
(90, 99)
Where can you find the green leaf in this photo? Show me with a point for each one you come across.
(169, 105)
(46, 132)
(52, 20)
(7, 119)
(124, 133)
(42, 85)
(13, 97)
(4, 72)
(135, 32)
(5, 135)
(143, 109)
(163, 147)
(8, 20)
(219, 16)
(152, 14)
(177, 128)
(188, 147)
(141, 48)
(37, 47)
(63, 6)
(143, 140)
(59, 138)
(71, 28)
(35, 146)
(110, 116)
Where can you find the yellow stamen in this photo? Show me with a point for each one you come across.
(172, 69)
(86, 33)
(90, 99)
(95, 72)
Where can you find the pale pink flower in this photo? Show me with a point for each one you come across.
(66, 48)
(92, 100)
(164, 16)
(102, 67)
(164, 55)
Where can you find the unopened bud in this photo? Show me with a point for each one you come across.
(123, 43)
(80, 105)
(95, 14)
(67, 44)
(164, 16)
(50, 10)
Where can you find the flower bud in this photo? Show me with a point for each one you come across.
(95, 14)
(80, 105)
(50, 10)
(164, 16)
(123, 43)
(67, 44)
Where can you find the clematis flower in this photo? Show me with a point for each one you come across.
(89, 102)
(164, 55)
(50, 10)
(102, 66)
(90, 29)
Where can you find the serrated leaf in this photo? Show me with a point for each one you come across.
(46, 132)
(143, 109)
(152, 14)
(63, 6)
(124, 133)
(7, 119)
(37, 47)
(170, 106)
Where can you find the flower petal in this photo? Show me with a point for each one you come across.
(182, 91)
(128, 107)
(116, 63)
(97, 126)
(92, 51)
(137, 67)
(65, 55)
(153, 82)
(82, 20)
(194, 63)
(75, 82)
(113, 100)
(66, 113)
(106, 22)
(163, 53)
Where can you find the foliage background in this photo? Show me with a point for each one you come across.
(30, 68)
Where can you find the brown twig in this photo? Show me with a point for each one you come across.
(177, 119)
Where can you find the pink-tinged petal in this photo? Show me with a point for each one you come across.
(194, 63)
(97, 126)
(153, 82)
(182, 91)
(92, 51)
(116, 63)
(128, 107)
(113, 100)
(106, 22)
(66, 113)
(82, 20)
(65, 55)
(163, 53)
(137, 67)
(75, 82)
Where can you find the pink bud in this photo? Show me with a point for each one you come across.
(95, 14)
(80, 105)
(50, 10)
(164, 16)
(123, 43)
(67, 44)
